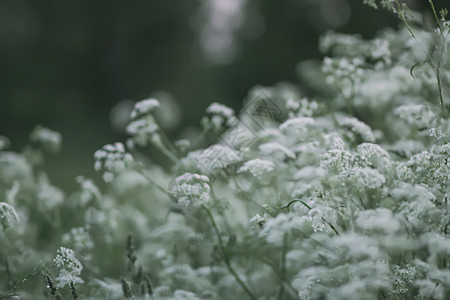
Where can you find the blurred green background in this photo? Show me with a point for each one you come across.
(65, 64)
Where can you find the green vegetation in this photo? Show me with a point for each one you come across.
(343, 195)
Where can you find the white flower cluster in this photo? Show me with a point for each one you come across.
(88, 190)
(416, 114)
(275, 228)
(69, 267)
(8, 215)
(276, 150)
(79, 238)
(144, 107)
(220, 116)
(261, 169)
(301, 108)
(14, 166)
(375, 51)
(49, 139)
(215, 158)
(113, 159)
(403, 278)
(143, 126)
(298, 124)
(339, 161)
(374, 155)
(358, 128)
(343, 73)
(4, 143)
(191, 190)
(367, 177)
(48, 195)
(437, 133)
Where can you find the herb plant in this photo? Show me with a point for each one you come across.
(340, 196)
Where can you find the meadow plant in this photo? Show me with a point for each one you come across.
(344, 196)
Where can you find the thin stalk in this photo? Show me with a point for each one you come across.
(22, 280)
(245, 195)
(167, 143)
(283, 267)
(402, 17)
(268, 263)
(259, 258)
(441, 93)
(143, 172)
(435, 15)
(167, 152)
(226, 258)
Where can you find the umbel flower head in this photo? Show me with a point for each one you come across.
(49, 139)
(7, 215)
(191, 190)
(143, 128)
(261, 169)
(219, 117)
(69, 267)
(112, 158)
(4, 143)
(144, 107)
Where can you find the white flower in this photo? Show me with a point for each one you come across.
(258, 220)
(113, 159)
(437, 133)
(415, 114)
(357, 127)
(301, 108)
(144, 130)
(402, 278)
(339, 161)
(298, 124)
(275, 228)
(221, 110)
(51, 140)
(144, 107)
(8, 215)
(380, 219)
(343, 73)
(216, 157)
(219, 117)
(69, 267)
(49, 196)
(262, 169)
(191, 190)
(4, 143)
(316, 218)
(357, 246)
(276, 150)
(368, 178)
(374, 155)
(79, 238)
(89, 191)
(13, 166)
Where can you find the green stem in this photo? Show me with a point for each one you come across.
(167, 152)
(435, 15)
(245, 195)
(283, 266)
(441, 94)
(20, 281)
(268, 263)
(226, 258)
(402, 17)
(140, 169)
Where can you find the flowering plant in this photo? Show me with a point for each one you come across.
(341, 197)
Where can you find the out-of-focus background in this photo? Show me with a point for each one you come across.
(66, 64)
